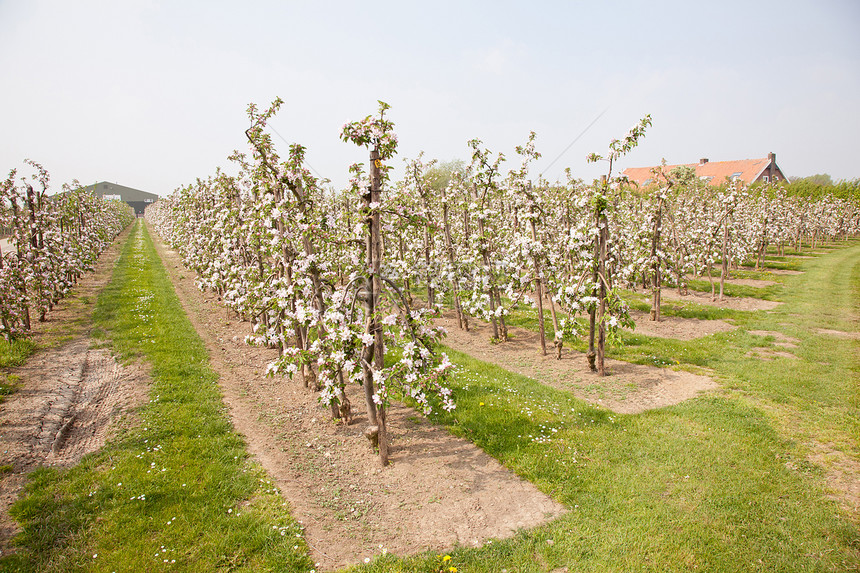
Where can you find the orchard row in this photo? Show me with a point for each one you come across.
(344, 284)
(53, 241)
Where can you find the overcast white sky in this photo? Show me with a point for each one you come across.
(153, 94)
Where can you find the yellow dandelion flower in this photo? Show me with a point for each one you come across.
(446, 558)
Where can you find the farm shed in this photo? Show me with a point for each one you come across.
(716, 172)
(135, 197)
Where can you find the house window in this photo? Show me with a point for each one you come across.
(647, 182)
(736, 175)
(766, 179)
(706, 178)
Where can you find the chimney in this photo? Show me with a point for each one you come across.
(703, 160)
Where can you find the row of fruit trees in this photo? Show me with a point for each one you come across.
(53, 240)
(345, 284)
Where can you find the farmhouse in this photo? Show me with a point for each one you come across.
(717, 172)
(136, 198)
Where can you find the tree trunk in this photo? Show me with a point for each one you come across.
(485, 258)
(428, 246)
(656, 278)
(539, 292)
(603, 235)
(558, 340)
(711, 281)
(503, 328)
(407, 289)
(541, 325)
(374, 244)
(724, 269)
(449, 247)
(591, 356)
(596, 348)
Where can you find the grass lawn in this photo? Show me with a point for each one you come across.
(12, 353)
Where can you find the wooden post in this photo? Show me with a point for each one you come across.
(485, 258)
(724, 268)
(449, 247)
(601, 311)
(656, 279)
(428, 240)
(374, 260)
(602, 241)
(538, 284)
(592, 315)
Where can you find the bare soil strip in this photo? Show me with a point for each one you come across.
(757, 283)
(62, 413)
(678, 328)
(629, 389)
(784, 272)
(838, 333)
(769, 353)
(70, 397)
(841, 475)
(439, 490)
(782, 339)
(734, 303)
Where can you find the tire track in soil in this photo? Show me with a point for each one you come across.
(63, 410)
(439, 490)
(70, 395)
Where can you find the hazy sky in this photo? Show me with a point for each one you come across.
(153, 94)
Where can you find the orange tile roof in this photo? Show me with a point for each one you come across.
(747, 170)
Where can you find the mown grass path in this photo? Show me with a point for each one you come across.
(175, 491)
(815, 398)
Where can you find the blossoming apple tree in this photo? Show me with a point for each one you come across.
(54, 239)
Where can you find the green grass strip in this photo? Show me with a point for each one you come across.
(15, 352)
(815, 396)
(12, 354)
(176, 490)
